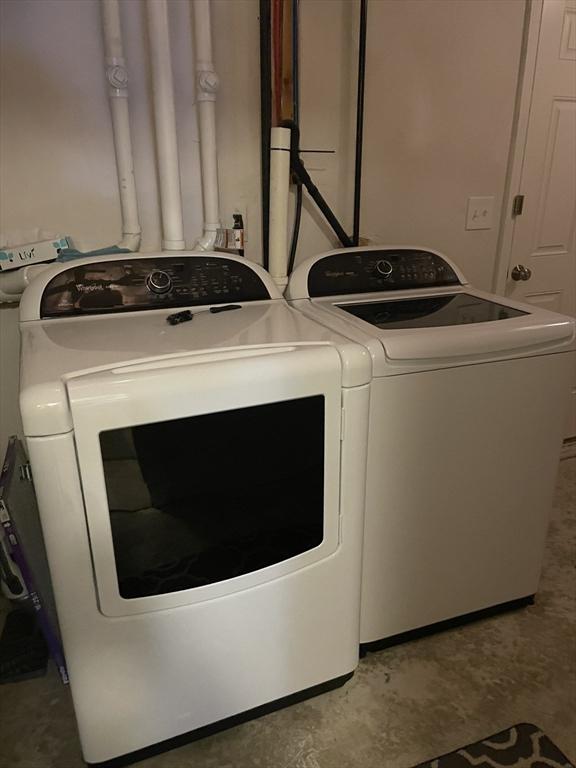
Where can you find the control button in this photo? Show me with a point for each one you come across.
(384, 267)
(158, 281)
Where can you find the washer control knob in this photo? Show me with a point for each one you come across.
(384, 267)
(158, 281)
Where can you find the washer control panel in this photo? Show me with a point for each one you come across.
(375, 270)
(155, 283)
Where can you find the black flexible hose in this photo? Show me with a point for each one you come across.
(296, 228)
(301, 176)
(299, 173)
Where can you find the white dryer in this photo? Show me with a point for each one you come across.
(467, 414)
(201, 505)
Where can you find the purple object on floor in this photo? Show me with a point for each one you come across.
(19, 518)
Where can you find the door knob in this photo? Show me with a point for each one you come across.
(520, 272)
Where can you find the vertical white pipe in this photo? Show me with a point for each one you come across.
(279, 186)
(117, 76)
(206, 89)
(165, 122)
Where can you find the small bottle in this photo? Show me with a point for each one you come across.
(238, 230)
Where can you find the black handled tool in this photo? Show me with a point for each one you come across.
(225, 308)
(179, 317)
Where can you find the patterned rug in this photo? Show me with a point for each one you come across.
(522, 746)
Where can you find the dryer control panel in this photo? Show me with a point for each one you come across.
(376, 270)
(150, 283)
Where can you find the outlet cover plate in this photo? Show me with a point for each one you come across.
(480, 212)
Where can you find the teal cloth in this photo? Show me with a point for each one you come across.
(68, 254)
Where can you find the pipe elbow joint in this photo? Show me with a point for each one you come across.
(14, 282)
(206, 242)
(130, 241)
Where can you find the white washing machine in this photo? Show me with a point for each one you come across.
(467, 413)
(198, 451)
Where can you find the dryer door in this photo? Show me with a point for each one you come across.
(208, 474)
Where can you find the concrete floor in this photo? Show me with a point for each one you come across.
(403, 706)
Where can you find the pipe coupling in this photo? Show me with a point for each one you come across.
(208, 85)
(117, 76)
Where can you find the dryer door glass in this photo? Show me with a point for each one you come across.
(207, 498)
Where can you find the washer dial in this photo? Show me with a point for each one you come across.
(384, 267)
(158, 281)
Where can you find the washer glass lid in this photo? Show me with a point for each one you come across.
(431, 311)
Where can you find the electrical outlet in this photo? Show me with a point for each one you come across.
(480, 212)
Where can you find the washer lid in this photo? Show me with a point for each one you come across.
(432, 311)
(471, 343)
(446, 328)
(413, 310)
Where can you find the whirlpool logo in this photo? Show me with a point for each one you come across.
(90, 287)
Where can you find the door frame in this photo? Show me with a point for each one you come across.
(524, 92)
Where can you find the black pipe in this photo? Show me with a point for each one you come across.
(360, 119)
(265, 121)
(303, 177)
(295, 63)
(296, 228)
(295, 118)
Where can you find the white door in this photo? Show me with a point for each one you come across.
(542, 264)
(208, 474)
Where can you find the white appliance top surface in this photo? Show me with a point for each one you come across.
(408, 325)
(402, 350)
(55, 350)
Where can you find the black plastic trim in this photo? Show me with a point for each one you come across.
(265, 121)
(350, 272)
(440, 626)
(115, 285)
(221, 725)
(359, 120)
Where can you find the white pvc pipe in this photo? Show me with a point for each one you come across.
(279, 186)
(117, 76)
(165, 122)
(13, 282)
(206, 88)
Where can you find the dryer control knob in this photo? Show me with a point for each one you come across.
(158, 281)
(384, 267)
